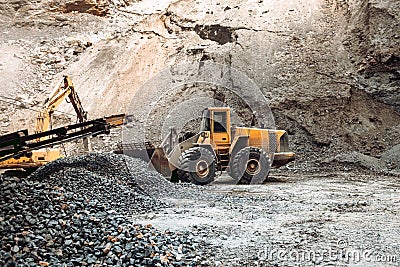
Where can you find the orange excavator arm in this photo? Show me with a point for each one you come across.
(63, 90)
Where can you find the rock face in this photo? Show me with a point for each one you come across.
(98, 8)
(374, 40)
(329, 69)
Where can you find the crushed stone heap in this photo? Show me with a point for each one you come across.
(74, 212)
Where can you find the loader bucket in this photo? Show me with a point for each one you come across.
(160, 162)
(148, 153)
(135, 150)
(163, 156)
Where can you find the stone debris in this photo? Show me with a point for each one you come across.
(104, 178)
(74, 211)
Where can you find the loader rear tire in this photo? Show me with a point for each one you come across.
(197, 165)
(251, 165)
(174, 177)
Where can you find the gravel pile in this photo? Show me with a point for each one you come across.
(158, 186)
(46, 225)
(82, 173)
(104, 178)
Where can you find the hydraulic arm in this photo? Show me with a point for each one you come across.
(63, 90)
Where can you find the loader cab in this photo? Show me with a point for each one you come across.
(217, 121)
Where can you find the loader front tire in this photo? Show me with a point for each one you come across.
(250, 166)
(197, 165)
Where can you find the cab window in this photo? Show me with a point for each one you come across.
(220, 122)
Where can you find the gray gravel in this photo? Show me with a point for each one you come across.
(74, 212)
(104, 178)
(81, 173)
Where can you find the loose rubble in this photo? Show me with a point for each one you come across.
(74, 212)
(116, 174)
(54, 219)
(104, 178)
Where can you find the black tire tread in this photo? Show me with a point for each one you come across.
(184, 161)
(237, 166)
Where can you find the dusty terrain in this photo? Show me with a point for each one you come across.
(108, 210)
(330, 70)
(330, 219)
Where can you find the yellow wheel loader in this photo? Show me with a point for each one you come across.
(246, 153)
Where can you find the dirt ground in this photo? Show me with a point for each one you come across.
(326, 219)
